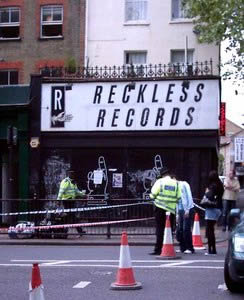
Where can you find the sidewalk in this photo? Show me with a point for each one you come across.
(98, 240)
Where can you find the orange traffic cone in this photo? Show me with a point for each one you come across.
(196, 234)
(125, 277)
(168, 251)
(35, 286)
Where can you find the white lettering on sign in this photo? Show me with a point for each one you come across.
(144, 105)
(57, 98)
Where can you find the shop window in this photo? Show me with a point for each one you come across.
(51, 21)
(9, 23)
(178, 11)
(180, 62)
(135, 62)
(135, 10)
(9, 77)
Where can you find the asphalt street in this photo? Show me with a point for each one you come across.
(86, 272)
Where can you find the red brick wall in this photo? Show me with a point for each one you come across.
(16, 3)
(14, 65)
(48, 63)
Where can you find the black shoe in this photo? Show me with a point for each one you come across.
(224, 229)
(155, 253)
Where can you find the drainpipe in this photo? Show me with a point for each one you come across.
(86, 34)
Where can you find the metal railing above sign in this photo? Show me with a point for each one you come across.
(170, 70)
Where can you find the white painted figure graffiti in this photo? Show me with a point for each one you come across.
(142, 181)
(150, 176)
(92, 187)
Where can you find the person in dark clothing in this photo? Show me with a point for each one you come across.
(214, 193)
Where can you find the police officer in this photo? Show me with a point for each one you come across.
(166, 194)
(68, 190)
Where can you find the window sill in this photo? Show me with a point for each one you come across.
(51, 38)
(10, 39)
(180, 21)
(137, 23)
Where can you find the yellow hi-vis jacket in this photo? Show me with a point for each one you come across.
(68, 190)
(166, 193)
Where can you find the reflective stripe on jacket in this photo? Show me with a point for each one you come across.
(166, 193)
(68, 190)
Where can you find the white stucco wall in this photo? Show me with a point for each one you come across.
(109, 36)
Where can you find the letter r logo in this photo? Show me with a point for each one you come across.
(57, 106)
(57, 99)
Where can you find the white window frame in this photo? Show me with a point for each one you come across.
(187, 61)
(180, 14)
(51, 22)
(137, 67)
(142, 18)
(10, 70)
(10, 23)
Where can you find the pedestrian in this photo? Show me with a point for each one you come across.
(231, 190)
(185, 212)
(68, 190)
(213, 194)
(165, 192)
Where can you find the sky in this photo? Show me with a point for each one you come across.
(233, 95)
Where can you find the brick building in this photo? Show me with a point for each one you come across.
(38, 34)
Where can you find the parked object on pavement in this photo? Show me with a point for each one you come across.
(23, 230)
(234, 259)
(57, 218)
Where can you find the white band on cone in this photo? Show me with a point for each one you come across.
(124, 259)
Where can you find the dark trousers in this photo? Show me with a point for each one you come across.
(160, 218)
(211, 236)
(185, 234)
(227, 206)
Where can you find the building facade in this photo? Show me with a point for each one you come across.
(146, 93)
(125, 32)
(39, 34)
(117, 134)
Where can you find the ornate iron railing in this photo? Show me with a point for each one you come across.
(132, 71)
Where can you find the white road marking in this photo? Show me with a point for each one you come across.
(116, 260)
(181, 264)
(81, 285)
(178, 263)
(142, 264)
(57, 262)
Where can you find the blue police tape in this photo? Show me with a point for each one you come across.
(68, 210)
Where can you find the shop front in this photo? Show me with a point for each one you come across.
(117, 135)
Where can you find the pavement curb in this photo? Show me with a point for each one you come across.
(16, 242)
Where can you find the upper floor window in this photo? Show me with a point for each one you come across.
(8, 77)
(51, 21)
(135, 10)
(135, 57)
(182, 60)
(182, 56)
(9, 23)
(178, 11)
(135, 61)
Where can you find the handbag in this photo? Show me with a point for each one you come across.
(207, 203)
